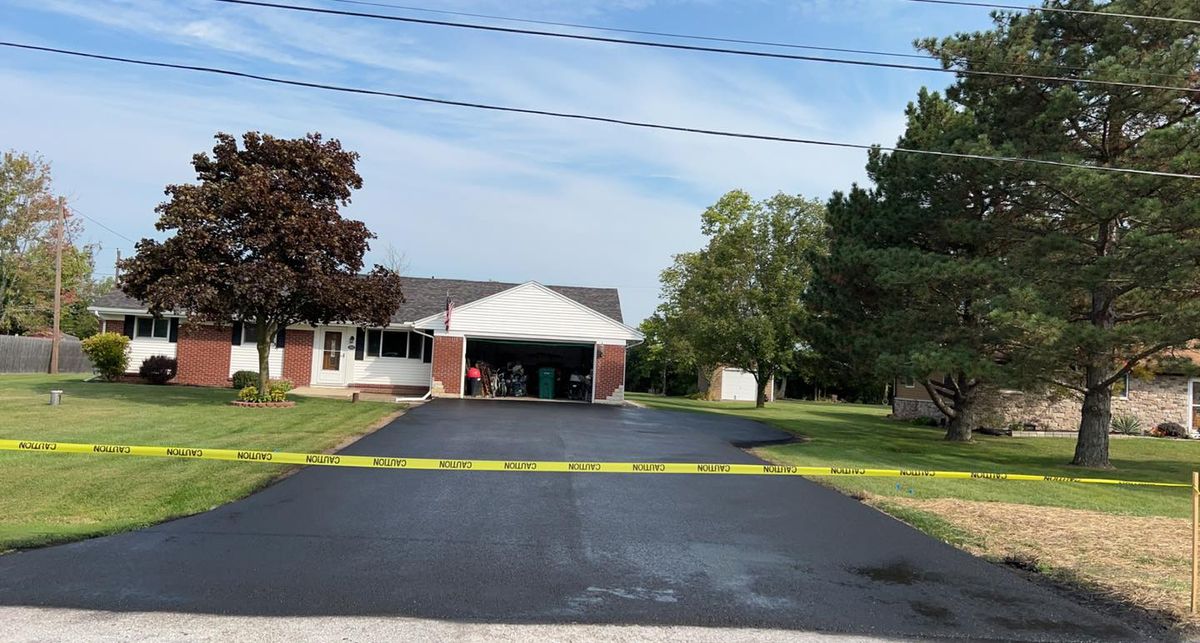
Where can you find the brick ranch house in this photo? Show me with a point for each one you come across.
(572, 329)
(1167, 396)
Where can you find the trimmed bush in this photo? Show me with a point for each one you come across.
(242, 379)
(158, 369)
(1127, 425)
(1169, 430)
(278, 390)
(109, 353)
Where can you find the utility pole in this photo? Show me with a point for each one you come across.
(56, 339)
(117, 270)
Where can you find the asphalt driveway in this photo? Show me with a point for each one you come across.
(555, 548)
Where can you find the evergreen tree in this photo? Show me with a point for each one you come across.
(1114, 258)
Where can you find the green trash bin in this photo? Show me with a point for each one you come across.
(546, 383)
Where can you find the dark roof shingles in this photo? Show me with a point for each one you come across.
(427, 296)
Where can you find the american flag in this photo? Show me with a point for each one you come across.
(449, 310)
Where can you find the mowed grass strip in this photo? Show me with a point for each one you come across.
(853, 435)
(51, 498)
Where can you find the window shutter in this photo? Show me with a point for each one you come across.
(130, 325)
(236, 340)
(359, 343)
(280, 337)
(173, 334)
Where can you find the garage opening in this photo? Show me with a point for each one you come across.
(531, 370)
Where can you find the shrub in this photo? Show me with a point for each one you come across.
(108, 353)
(924, 420)
(1127, 425)
(278, 390)
(1169, 430)
(248, 394)
(242, 379)
(158, 369)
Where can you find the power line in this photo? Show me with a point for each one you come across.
(740, 41)
(76, 211)
(664, 34)
(716, 50)
(1113, 14)
(598, 119)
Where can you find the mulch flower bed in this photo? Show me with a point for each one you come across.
(265, 405)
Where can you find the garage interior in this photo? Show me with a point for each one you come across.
(532, 370)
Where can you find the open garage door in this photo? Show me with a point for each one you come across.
(535, 370)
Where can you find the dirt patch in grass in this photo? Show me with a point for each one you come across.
(1144, 561)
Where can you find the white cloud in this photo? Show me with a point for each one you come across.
(463, 193)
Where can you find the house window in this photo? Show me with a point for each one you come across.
(909, 381)
(393, 343)
(151, 328)
(414, 345)
(250, 334)
(1120, 388)
(427, 349)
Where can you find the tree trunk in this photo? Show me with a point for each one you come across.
(960, 426)
(782, 394)
(663, 392)
(1091, 448)
(760, 396)
(265, 330)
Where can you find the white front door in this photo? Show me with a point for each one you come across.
(333, 364)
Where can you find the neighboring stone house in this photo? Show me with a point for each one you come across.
(1166, 396)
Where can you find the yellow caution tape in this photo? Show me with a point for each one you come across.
(435, 464)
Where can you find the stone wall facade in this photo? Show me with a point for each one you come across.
(1161, 399)
(903, 409)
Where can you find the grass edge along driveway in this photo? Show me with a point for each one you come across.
(51, 498)
(1129, 545)
(856, 435)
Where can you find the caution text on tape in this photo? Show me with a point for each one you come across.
(451, 464)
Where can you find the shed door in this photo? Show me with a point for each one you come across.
(737, 384)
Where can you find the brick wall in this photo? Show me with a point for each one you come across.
(447, 366)
(297, 356)
(114, 326)
(203, 354)
(610, 374)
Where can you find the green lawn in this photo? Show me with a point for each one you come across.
(51, 498)
(860, 436)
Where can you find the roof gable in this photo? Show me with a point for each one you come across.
(532, 310)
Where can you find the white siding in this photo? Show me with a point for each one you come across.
(143, 347)
(394, 371)
(534, 311)
(737, 384)
(245, 358)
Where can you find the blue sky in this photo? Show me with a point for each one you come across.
(464, 193)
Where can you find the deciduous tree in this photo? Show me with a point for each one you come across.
(259, 238)
(738, 300)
